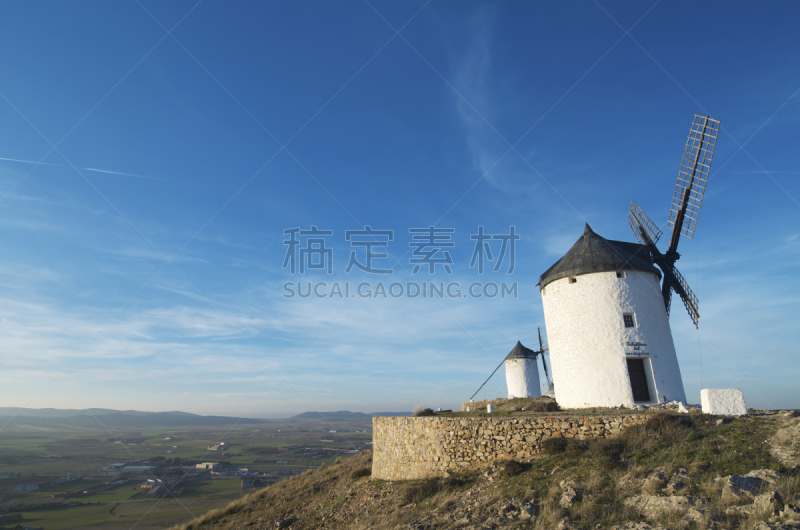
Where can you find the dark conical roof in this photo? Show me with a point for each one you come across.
(593, 253)
(521, 352)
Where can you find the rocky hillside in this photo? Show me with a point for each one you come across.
(675, 471)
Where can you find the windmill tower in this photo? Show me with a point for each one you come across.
(522, 374)
(606, 312)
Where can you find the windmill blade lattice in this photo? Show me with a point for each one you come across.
(693, 175)
(542, 349)
(638, 221)
(684, 211)
(688, 297)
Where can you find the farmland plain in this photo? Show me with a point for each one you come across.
(59, 472)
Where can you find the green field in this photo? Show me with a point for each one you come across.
(33, 455)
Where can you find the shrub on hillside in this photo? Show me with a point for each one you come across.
(659, 431)
(544, 405)
(361, 472)
(575, 448)
(554, 446)
(419, 410)
(607, 451)
(427, 488)
(512, 468)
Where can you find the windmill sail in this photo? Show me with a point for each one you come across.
(688, 297)
(639, 221)
(542, 349)
(693, 175)
(683, 214)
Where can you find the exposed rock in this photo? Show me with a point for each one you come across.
(678, 482)
(791, 512)
(739, 488)
(507, 508)
(652, 507)
(286, 522)
(767, 475)
(564, 524)
(632, 484)
(768, 504)
(635, 526)
(571, 492)
(527, 511)
(785, 443)
(761, 525)
(656, 480)
(763, 505)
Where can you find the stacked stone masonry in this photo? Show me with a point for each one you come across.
(406, 448)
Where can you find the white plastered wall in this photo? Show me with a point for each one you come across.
(522, 378)
(588, 340)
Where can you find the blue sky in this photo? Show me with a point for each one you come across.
(153, 153)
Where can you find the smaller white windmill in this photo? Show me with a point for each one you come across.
(522, 374)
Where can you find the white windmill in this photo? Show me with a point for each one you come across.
(606, 313)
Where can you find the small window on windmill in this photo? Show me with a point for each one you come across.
(628, 319)
(620, 274)
(573, 279)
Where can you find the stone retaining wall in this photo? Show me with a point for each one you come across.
(421, 447)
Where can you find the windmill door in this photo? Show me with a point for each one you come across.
(638, 380)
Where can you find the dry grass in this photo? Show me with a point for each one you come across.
(554, 446)
(616, 468)
(365, 471)
(320, 489)
(540, 404)
(421, 490)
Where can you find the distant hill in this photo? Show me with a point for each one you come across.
(96, 417)
(14, 417)
(343, 415)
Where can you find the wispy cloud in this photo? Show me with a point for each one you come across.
(96, 170)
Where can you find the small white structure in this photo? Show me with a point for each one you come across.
(723, 401)
(489, 408)
(522, 375)
(608, 332)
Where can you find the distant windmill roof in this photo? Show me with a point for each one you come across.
(521, 352)
(593, 253)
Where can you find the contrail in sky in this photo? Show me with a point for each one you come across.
(106, 171)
